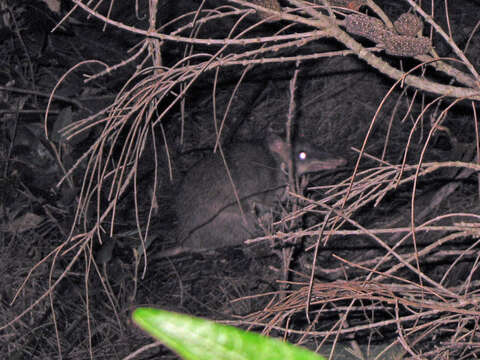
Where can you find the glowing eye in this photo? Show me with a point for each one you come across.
(302, 155)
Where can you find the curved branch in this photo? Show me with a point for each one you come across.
(390, 71)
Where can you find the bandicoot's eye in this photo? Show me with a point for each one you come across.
(302, 155)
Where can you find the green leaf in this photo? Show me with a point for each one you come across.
(199, 339)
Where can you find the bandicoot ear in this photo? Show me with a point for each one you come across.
(278, 147)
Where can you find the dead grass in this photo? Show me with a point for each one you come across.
(382, 254)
